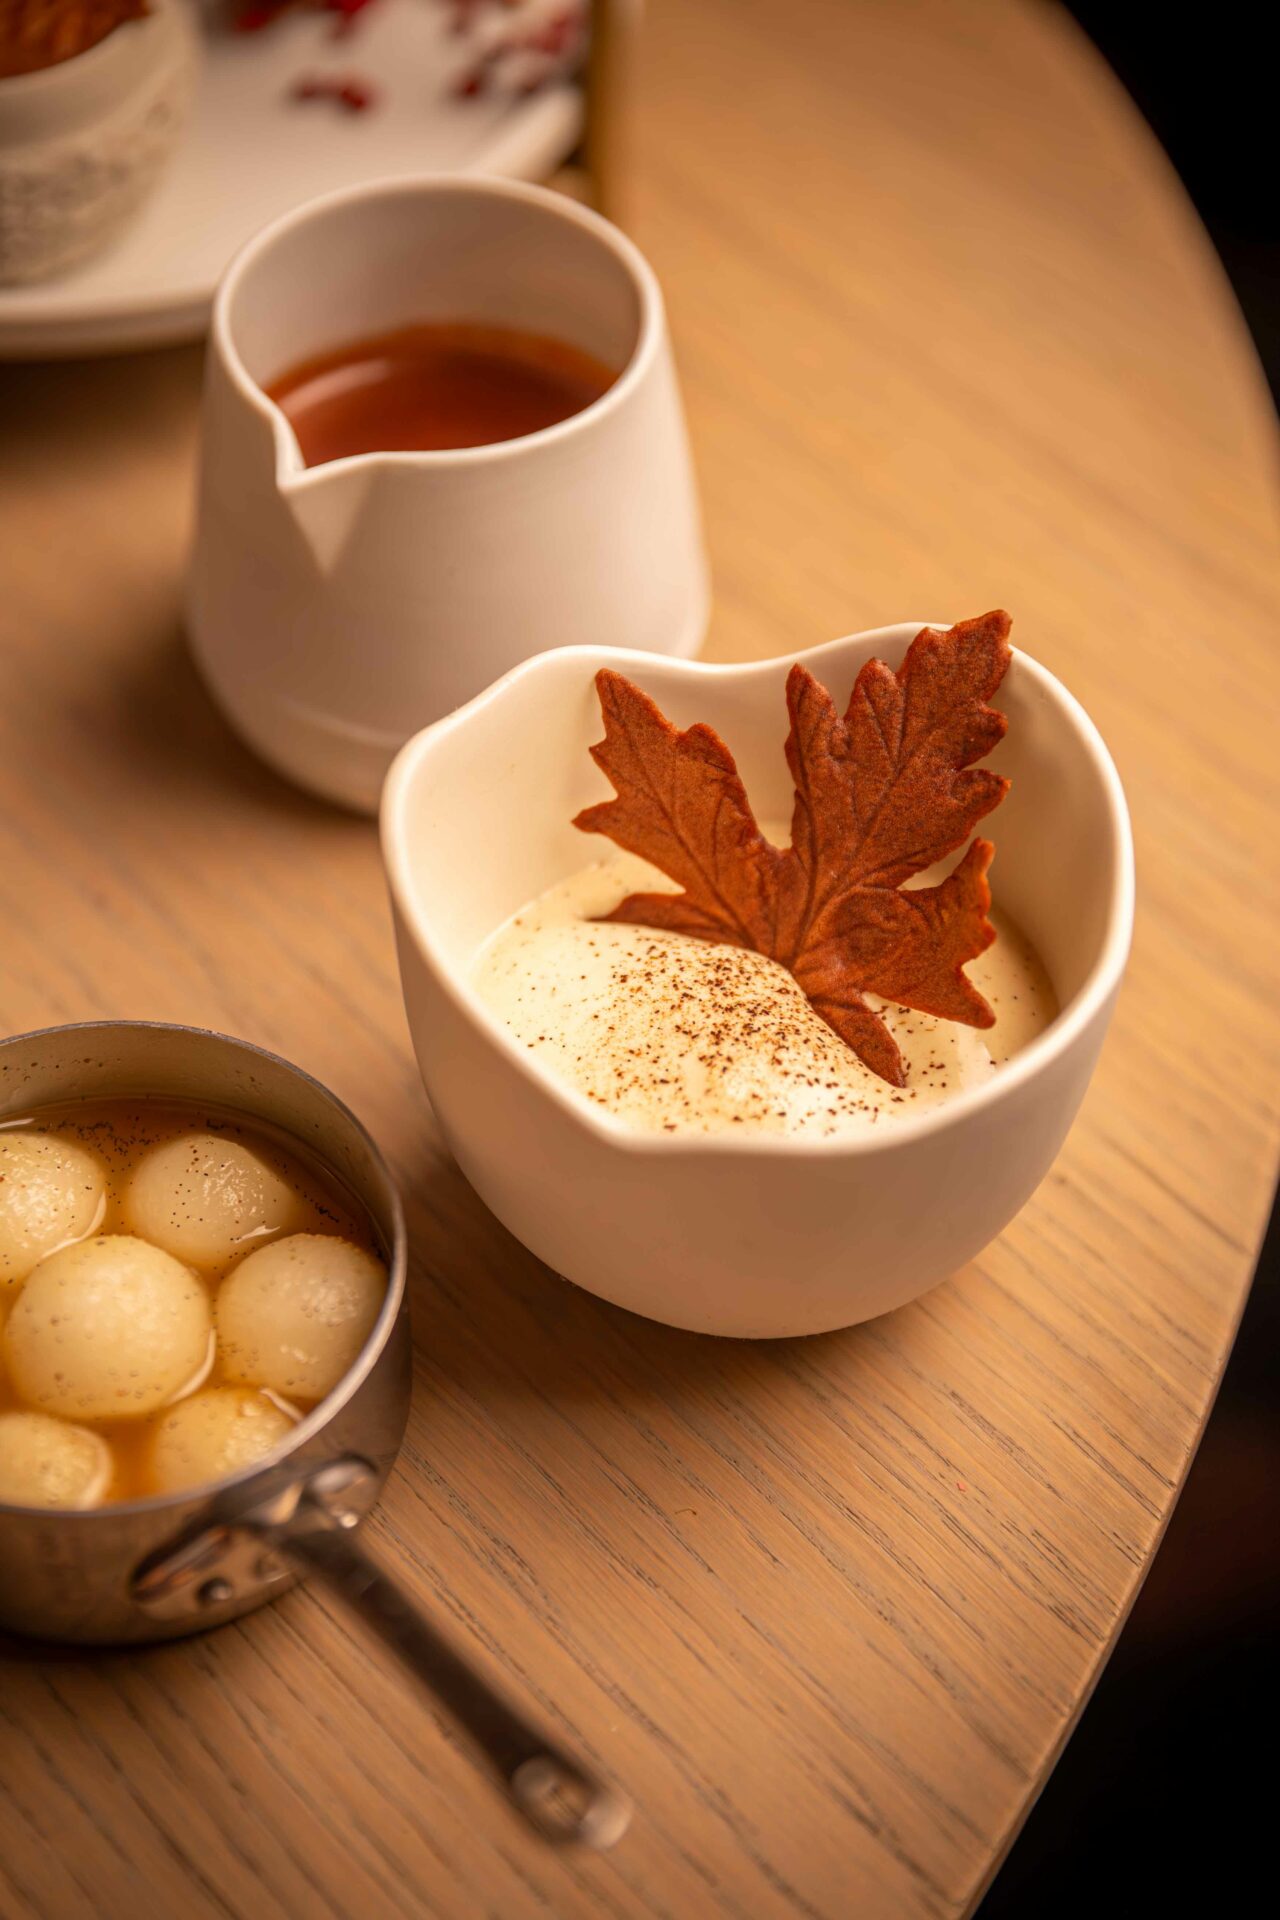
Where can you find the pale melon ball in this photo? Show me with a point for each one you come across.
(108, 1329)
(51, 1191)
(46, 1463)
(294, 1315)
(213, 1433)
(203, 1195)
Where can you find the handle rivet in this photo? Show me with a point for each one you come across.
(215, 1592)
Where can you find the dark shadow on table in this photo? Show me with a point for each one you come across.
(119, 398)
(1157, 1805)
(162, 717)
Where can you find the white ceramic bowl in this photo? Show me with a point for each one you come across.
(83, 142)
(763, 1236)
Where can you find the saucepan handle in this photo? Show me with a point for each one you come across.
(562, 1798)
(309, 1522)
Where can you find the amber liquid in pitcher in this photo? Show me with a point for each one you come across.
(432, 386)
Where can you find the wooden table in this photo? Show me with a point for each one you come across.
(950, 337)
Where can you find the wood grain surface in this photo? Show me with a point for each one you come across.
(950, 337)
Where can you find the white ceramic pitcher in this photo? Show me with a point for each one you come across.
(334, 610)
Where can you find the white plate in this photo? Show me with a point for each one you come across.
(251, 153)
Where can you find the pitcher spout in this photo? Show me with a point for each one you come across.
(326, 504)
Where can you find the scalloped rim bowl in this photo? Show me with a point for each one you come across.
(764, 1236)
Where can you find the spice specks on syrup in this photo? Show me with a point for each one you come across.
(677, 1035)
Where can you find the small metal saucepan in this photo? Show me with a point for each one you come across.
(152, 1569)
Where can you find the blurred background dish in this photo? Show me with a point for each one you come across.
(319, 98)
(92, 103)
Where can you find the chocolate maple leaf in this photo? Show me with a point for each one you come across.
(880, 795)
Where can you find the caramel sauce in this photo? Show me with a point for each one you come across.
(435, 386)
(120, 1133)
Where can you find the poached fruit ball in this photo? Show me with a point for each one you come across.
(108, 1329)
(49, 1463)
(213, 1433)
(294, 1315)
(203, 1196)
(51, 1192)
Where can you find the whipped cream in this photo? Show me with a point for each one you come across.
(677, 1035)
